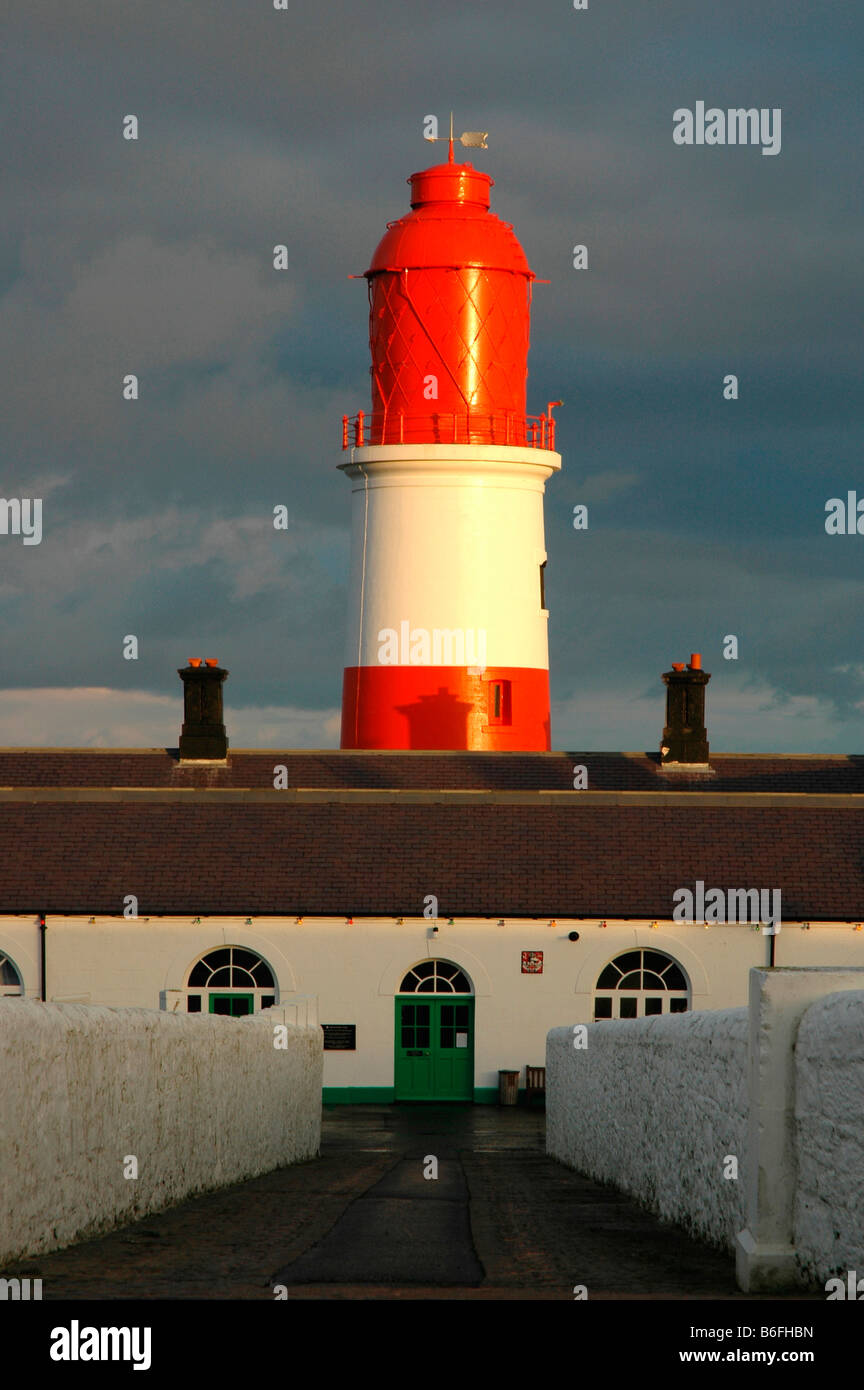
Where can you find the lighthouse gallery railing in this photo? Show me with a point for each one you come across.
(449, 427)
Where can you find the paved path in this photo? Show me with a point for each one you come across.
(502, 1221)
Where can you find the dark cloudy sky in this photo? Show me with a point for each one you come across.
(260, 127)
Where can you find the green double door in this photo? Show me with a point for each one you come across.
(434, 1047)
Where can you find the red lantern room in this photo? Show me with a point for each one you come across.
(449, 303)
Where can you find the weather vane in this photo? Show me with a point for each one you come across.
(471, 139)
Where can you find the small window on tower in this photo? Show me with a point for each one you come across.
(499, 703)
(543, 585)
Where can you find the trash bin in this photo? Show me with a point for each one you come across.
(508, 1087)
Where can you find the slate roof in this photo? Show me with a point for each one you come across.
(329, 768)
(498, 835)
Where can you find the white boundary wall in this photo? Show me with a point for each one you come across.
(654, 1106)
(200, 1101)
(829, 1122)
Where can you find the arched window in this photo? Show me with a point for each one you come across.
(11, 984)
(230, 980)
(435, 977)
(640, 983)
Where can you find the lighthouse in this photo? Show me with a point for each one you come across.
(447, 644)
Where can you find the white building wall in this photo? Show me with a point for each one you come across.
(356, 970)
(199, 1102)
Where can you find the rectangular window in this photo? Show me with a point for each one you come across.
(500, 711)
(193, 1004)
(543, 585)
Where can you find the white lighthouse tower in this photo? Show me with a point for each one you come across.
(447, 636)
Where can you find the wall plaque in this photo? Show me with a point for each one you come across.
(340, 1037)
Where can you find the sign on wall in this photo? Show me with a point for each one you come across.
(532, 962)
(340, 1037)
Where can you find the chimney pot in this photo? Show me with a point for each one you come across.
(678, 666)
(210, 661)
(695, 661)
(194, 661)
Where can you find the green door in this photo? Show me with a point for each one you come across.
(434, 1047)
(232, 1004)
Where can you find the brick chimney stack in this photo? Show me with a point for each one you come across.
(203, 737)
(685, 738)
